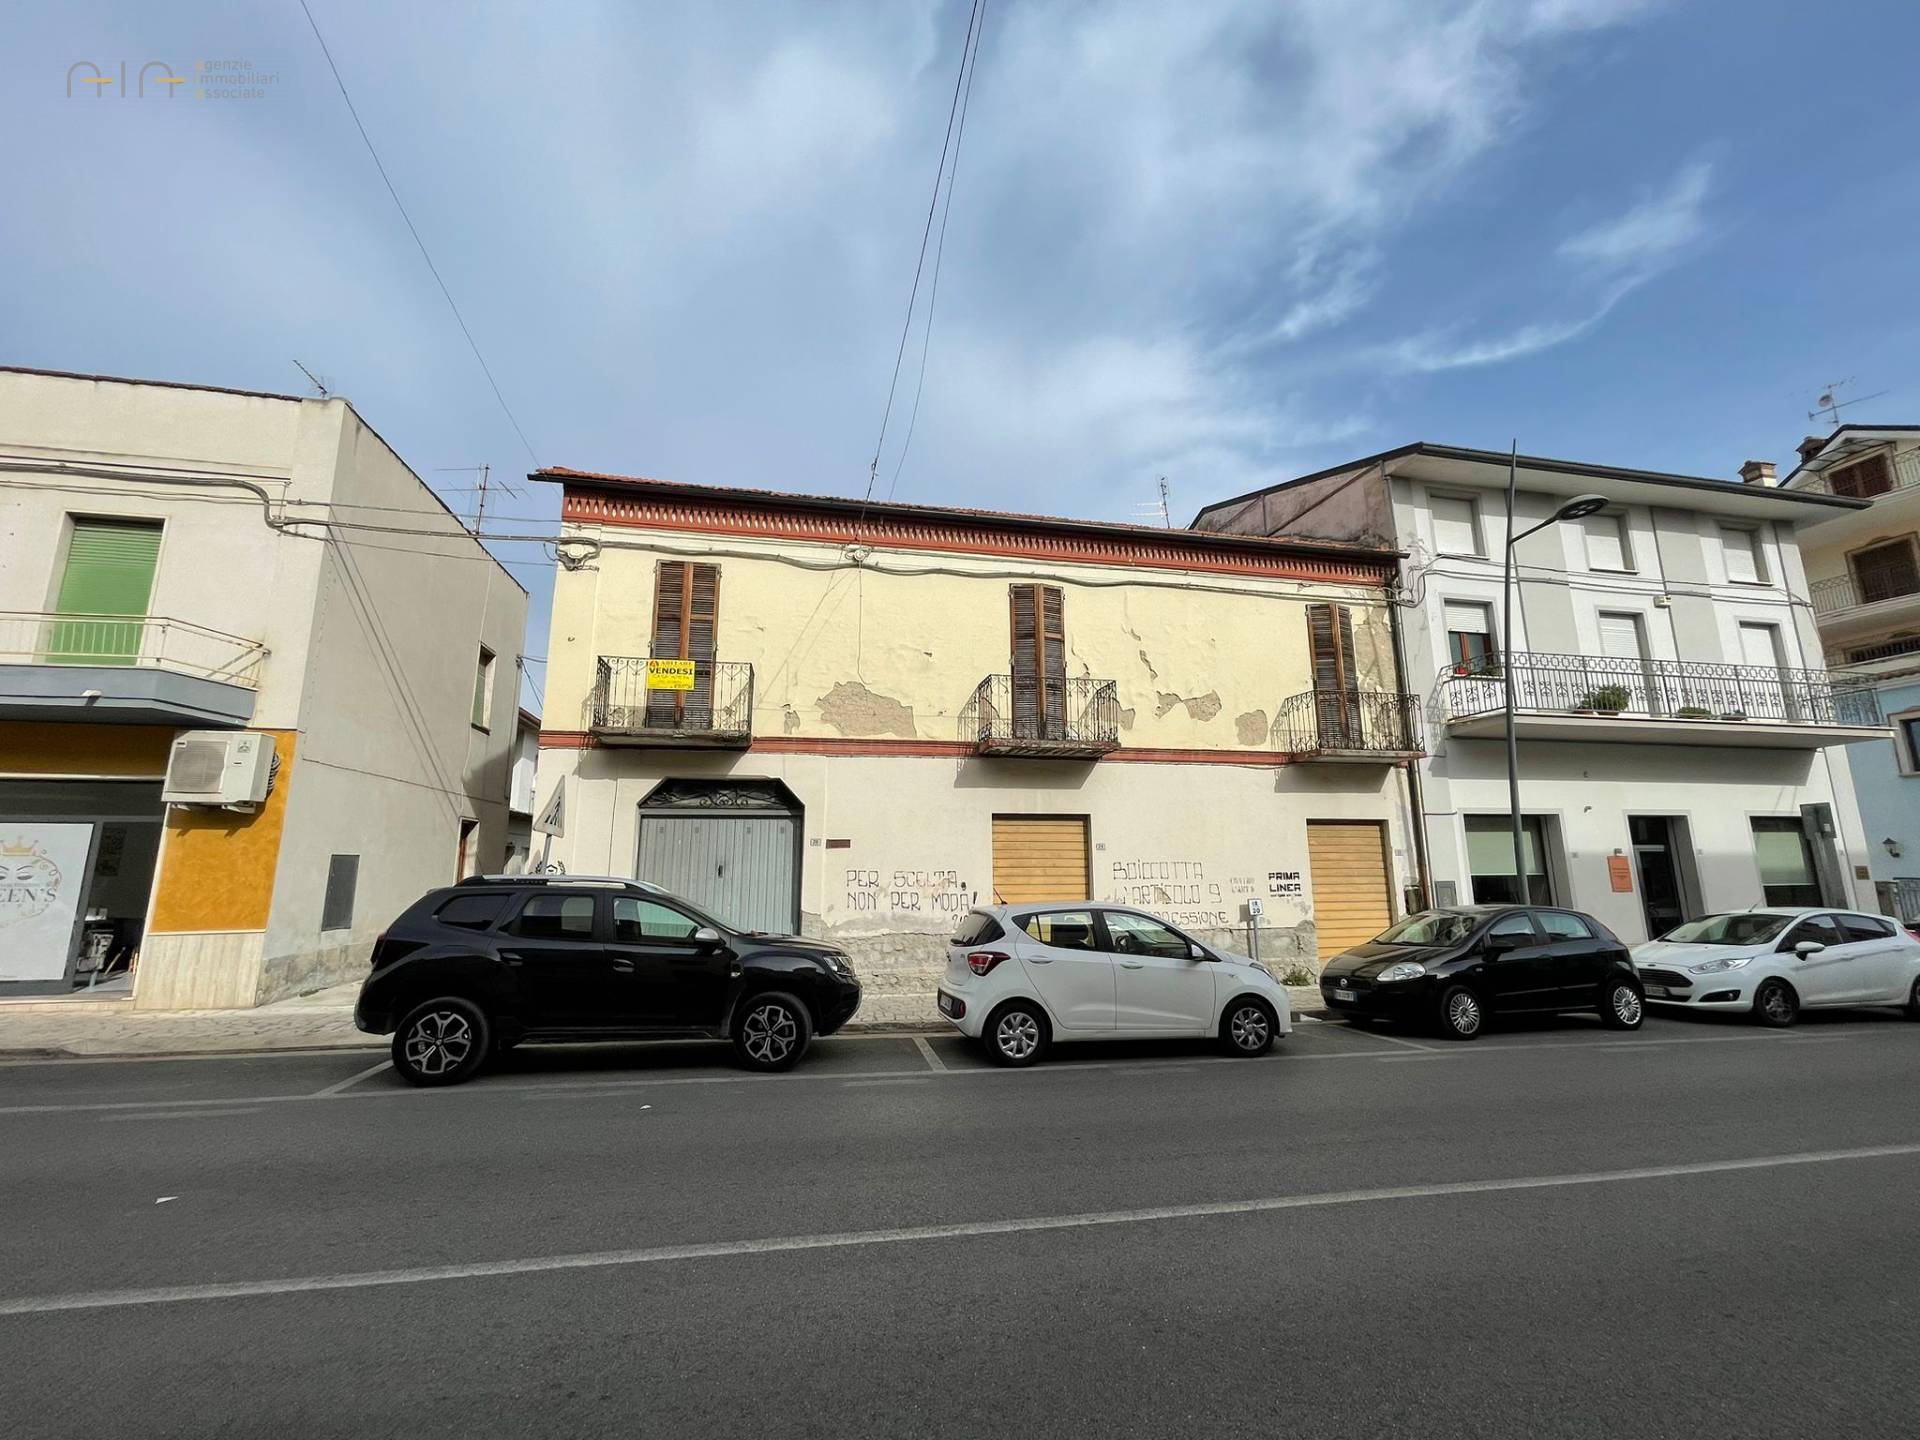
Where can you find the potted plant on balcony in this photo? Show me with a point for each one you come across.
(1605, 699)
(1693, 712)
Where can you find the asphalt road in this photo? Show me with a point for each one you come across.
(1701, 1229)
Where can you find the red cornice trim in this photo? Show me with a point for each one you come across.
(963, 535)
(952, 749)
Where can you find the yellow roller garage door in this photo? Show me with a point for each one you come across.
(1039, 858)
(1351, 902)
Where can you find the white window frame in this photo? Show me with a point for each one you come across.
(1446, 629)
(1619, 518)
(1472, 502)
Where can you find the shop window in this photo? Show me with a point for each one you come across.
(1780, 848)
(1490, 860)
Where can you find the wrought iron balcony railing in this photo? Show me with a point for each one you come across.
(1666, 689)
(148, 642)
(1072, 716)
(718, 710)
(1845, 592)
(1349, 723)
(1902, 474)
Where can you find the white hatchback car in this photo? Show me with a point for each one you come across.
(1023, 976)
(1776, 963)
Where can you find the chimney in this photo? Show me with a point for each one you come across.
(1759, 472)
(1810, 447)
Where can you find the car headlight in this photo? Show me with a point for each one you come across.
(1714, 967)
(840, 965)
(1400, 970)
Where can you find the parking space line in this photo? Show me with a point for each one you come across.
(934, 1062)
(353, 1080)
(180, 1114)
(961, 1230)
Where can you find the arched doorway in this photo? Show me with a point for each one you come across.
(729, 846)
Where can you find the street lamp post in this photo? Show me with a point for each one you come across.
(1577, 508)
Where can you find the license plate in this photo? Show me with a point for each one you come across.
(1345, 995)
(946, 1004)
(1657, 992)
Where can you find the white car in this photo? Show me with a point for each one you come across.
(1022, 976)
(1776, 963)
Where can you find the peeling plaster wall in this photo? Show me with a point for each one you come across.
(841, 651)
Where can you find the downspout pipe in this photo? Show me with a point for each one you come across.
(1416, 797)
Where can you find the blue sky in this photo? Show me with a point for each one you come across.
(1224, 242)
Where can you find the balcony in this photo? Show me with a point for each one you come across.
(1663, 702)
(1375, 726)
(1863, 481)
(1854, 604)
(1073, 718)
(716, 713)
(125, 669)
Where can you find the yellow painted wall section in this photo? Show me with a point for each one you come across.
(894, 647)
(35, 748)
(217, 866)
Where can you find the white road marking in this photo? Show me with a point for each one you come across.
(934, 1062)
(1374, 1034)
(353, 1080)
(204, 1114)
(907, 1080)
(1417, 1059)
(725, 1249)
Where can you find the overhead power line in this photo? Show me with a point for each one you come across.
(926, 234)
(413, 230)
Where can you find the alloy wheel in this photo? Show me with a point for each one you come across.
(439, 1041)
(1777, 1003)
(1017, 1035)
(1626, 1004)
(769, 1034)
(1249, 1027)
(1463, 1014)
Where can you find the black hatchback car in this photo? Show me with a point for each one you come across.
(497, 959)
(1455, 967)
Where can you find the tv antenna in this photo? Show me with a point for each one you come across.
(321, 389)
(1829, 405)
(481, 488)
(1160, 509)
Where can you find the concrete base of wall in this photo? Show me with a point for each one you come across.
(211, 970)
(284, 975)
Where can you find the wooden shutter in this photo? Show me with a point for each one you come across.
(1039, 860)
(686, 620)
(1336, 685)
(1347, 860)
(1037, 625)
(109, 571)
(1862, 479)
(1885, 571)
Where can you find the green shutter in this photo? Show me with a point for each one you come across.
(109, 571)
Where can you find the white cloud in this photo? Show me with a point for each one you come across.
(1652, 231)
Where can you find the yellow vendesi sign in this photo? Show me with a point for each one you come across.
(669, 674)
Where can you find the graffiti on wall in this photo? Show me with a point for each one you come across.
(938, 895)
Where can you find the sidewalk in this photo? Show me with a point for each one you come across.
(323, 1021)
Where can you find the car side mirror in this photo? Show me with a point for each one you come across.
(1808, 947)
(706, 935)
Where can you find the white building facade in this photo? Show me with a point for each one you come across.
(1681, 745)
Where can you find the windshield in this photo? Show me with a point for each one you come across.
(1746, 928)
(1429, 927)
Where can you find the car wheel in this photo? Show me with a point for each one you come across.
(1247, 1027)
(1462, 1016)
(1622, 1006)
(1775, 1004)
(1913, 1001)
(1017, 1034)
(772, 1032)
(441, 1042)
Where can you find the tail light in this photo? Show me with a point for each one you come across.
(982, 961)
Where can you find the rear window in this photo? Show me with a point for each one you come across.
(976, 929)
(1560, 925)
(472, 912)
(1865, 927)
(556, 917)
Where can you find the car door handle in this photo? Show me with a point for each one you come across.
(1133, 964)
(1039, 959)
(625, 967)
(512, 957)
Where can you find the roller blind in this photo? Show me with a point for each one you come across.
(1742, 549)
(109, 567)
(1473, 619)
(1606, 542)
(1454, 531)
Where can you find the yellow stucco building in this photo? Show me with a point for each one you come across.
(858, 720)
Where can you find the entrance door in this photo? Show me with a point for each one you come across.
(739, 867)
(1656, 858)
(1039, 858)
(1352, 900)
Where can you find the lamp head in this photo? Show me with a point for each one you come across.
(1581, 506)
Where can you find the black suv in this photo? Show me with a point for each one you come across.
(1454, 967)
(497, 959)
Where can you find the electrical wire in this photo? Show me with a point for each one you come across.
(413, 230)
(926, 234)
(939, 253)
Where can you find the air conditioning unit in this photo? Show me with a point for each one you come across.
(228, 768)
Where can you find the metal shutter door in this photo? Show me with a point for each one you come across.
(1348, 862)
(740, 867)
(1039, 859)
